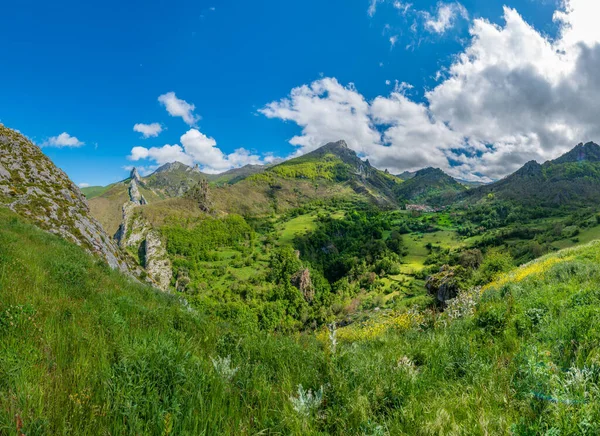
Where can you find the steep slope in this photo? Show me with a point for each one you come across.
(406, 175)
(237, 174)
(570, 180)
(173, 179)
(333, 167)
(107, 207)
(431, 186)
(32, 186)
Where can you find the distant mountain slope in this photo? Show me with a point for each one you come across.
(336, 163)
(406, 175)
(173, 179)
(431, 186)
(32, 186)
(570, 180)
(237, 174)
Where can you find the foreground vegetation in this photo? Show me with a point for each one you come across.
(85, 350)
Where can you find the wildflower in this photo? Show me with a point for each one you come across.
(223, 367)
(406, 365)
(306, 402)
(332, 338)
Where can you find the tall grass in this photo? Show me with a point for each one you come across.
(86, 350)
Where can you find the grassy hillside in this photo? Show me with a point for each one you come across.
(571, 181)
(94, 191)
(431, 186)
(84, 350)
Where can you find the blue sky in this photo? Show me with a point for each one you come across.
(93, 70)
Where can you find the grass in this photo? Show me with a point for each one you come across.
(86, 350)
(585, 236)
(416, 245)
(94, 191)
(297, 226)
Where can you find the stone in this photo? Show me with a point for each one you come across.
(32, 186)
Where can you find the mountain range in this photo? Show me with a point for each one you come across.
(335, 171)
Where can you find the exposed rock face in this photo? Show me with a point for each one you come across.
(134, 193)
(443, 285)
(301, 280)
(136, 232)
(156, 261)
(32, 186)
(135, 175)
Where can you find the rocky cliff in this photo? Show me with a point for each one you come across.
(32, 186)
(136, 233)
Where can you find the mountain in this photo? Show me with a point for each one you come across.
(236, 174)
(173, 179)
(336, 163)
(33, 187)
(431, 186)
(406, 175)
(573, 179)
(124, 359)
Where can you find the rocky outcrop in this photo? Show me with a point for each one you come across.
(32, 186)
(444, 285)
(134, 193)
(156, 260)
(301, 280)
(135, 175)
(135, 232)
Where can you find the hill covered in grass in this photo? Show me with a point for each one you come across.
(572, 180)
(85, 350)
(430, 186)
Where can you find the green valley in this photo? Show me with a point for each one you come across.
(319, 295)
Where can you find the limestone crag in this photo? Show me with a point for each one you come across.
(32, 186)
(135, 232)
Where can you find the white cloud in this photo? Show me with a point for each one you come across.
(148, 130)
(393, 40)
(144, 170)
(63, 140)
(326, 111)
(84, 185)
(373, 7)
(179, 108)
(404, 8)
(445, 17)
(197, 148)
(512, 95)
(161, 155)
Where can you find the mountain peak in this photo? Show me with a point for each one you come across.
(430, 171)
(173, 166)
(589, 151)
(135, 175)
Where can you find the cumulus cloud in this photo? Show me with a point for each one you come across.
(198, 148)
(62, 140)
(445, 17)
(179, 108)
(512, 95)
(148, 130)
(84, 185)
(161, 155)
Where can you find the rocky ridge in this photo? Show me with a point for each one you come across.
(136, 233)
